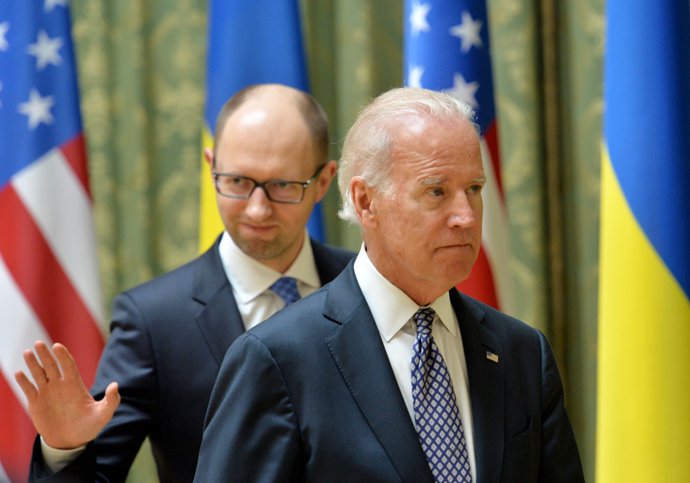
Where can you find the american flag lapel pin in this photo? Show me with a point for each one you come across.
(491, 356)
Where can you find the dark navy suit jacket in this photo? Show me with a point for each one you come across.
(168, 338)
(309, 395)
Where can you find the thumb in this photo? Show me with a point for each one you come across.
(111, 400)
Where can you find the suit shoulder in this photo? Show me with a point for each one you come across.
(337, 255)
(340, 253)
(498, 320)
(176, 290)
(203, 271)
(172, 280)
(299, 323)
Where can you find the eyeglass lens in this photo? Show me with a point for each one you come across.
(241, 187)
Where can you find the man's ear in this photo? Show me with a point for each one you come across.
(208, 156)
(364, 201)
(324, 179)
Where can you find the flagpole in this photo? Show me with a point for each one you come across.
(554, 186)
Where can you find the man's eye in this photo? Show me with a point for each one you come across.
(475, 188)
(436, 192)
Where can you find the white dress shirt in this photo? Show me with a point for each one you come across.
(250, 281)
(393, 310)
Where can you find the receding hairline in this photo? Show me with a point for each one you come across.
(312, 113)
(369, 142)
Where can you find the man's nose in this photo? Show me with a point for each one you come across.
(462, 214)
(258, 205)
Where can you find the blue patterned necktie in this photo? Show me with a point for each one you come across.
(436, 411)
(286, 287)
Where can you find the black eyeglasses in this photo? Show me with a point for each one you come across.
(241, 187)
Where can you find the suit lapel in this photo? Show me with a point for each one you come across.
(358, 352)
(486, 379)
(219, 319)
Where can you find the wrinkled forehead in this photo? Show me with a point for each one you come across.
(430, 146)
(425, 132)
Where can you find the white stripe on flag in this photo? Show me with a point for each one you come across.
(62, 210)
(496, 235)
(20, 328)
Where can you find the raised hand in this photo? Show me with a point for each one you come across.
(61, 408)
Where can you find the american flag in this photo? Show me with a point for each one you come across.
(49, 285)
(446, 48)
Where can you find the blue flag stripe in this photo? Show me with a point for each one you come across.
(252, 43)
(647, 120)
(255, 42)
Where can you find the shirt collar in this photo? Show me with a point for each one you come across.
(250, 278)
(389, 305)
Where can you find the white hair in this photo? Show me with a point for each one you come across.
(368, 145)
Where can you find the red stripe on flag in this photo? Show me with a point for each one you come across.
(45, 285)
(491, 138)
(74, 151)
(17, 434)
(480, 283)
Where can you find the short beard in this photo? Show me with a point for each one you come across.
(263, 250)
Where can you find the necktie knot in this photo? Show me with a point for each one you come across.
(424, 318)
(286, 288)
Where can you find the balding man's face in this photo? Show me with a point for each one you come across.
(267, 141)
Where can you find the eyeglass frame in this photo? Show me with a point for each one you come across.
(304, 185)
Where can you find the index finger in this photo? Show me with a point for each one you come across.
(50, 365)
(69, 367)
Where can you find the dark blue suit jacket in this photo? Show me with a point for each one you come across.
(309, 395)
(168, 338)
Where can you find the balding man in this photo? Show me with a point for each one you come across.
(168, 336)
(388, 373)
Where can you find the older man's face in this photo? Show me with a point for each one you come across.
(426, 236)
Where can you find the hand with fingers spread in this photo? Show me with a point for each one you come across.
(61, 408)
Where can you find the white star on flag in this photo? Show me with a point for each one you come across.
(4, 27)
(468, 32)
(418, 18)
(415, 77)
(51, 4)
(37, 109)
(45, 50)
(464, 91)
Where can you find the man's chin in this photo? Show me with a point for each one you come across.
(456, 272)
(262, 250)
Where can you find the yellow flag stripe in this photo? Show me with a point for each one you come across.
(210, 223)
(643, 405)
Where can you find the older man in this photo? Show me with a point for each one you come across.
(168, 337)
(388, 373)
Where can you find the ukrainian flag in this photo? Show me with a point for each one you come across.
(250, 42)
(643, 407)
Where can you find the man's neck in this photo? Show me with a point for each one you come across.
(422, 292)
